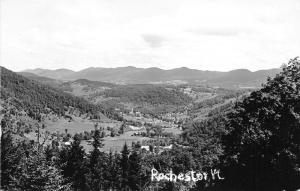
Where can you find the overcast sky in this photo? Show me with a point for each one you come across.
(202, 34)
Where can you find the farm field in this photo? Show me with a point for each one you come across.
(115, 143)
(77, 125)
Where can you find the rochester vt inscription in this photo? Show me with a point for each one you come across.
(213, 174)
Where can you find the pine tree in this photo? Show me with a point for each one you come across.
(11, 155)
(24, 167)
(111, 175)
(37, 175)
(73, 164)
(117, 171)
(124, 167)
(134, 174)
(96, 163)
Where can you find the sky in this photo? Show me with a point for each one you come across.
(219, 35)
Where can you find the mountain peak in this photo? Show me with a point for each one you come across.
(134, 75)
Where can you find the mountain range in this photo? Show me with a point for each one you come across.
(133, 75)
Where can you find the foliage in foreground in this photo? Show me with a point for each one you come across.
(262, 148)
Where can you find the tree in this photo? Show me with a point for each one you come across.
(111, 173)
(96, 162)
(124, 167)
(10, 158)
(72, 163)
(36, 174)
(134, 174)
(263, 143)
(24, 167)
(122, 128)
(158, 130)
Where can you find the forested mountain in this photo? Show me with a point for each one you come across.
(85, 86)
(243, 76)
(133, 75)
(147, 94)
(55, 74)
(95, 84)
(45, 80)
(35, 97)
(146, 98)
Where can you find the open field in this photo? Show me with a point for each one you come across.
(115, 143)
(175, 131)
(76, 125)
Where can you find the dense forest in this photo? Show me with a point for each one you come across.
(36, 98)
(147, 98)
(146, 93)
(255, 144)
(88, 85)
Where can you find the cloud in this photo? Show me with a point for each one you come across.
(225, 32)
(207, 35)
(153, 41)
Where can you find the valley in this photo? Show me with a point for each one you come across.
(92, 130)
(127, 113)
(132, 113)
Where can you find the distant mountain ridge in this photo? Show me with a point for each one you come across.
(45, 80)
(133, 75)
(55, 74)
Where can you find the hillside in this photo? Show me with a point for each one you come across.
(147, 94)
(84, 88)
(201, 101)
(42, 79)
(108, 96)
(243, 76)
(55, 74)
(147, 98)
(35, 98)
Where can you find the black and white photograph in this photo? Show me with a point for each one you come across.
(150, 95)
